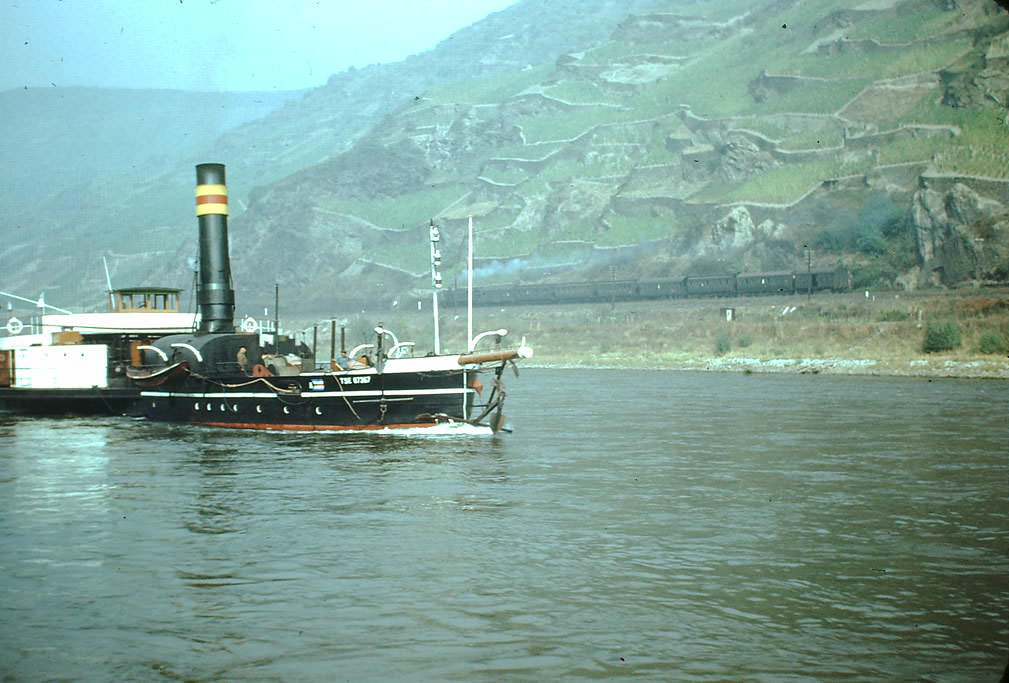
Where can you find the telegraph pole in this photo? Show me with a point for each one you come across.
(809, 273)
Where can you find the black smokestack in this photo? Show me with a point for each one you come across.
(215, 297)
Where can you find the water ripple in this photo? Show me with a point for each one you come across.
(637, 524)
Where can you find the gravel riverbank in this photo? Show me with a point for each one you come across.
(921, 367)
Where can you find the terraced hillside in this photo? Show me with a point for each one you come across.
(709, 137)
(587, 139)
(107, 173)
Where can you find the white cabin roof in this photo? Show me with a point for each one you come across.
(148, 323)
(119, 323)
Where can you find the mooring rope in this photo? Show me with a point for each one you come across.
(278, 390)
(345, 399)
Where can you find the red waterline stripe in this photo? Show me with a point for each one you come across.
(313, 428)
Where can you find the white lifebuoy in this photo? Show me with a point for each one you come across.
(250, 324)
(14, 326)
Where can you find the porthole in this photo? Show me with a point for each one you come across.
(234, 407)
(196, 406)
(259, 408)
(287, 411)
(223, 407)
(209, 406)
(154, 404)
(318, 410)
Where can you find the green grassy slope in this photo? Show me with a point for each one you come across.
(837, 90)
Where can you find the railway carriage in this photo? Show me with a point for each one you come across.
(711, 285)
(602, 291)
(765, 283)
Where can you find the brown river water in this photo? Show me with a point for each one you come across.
(663, 525)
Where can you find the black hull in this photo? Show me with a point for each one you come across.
(315, 402)
(117, 401)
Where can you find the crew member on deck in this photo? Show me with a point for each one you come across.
(243, 360)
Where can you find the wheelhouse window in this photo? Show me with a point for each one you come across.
(143, 299)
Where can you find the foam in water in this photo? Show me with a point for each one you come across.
(443, 429)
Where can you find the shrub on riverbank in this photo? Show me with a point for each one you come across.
(943, 336)
(723, 344)
(992, 342)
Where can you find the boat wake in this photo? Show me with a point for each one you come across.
(444, 429)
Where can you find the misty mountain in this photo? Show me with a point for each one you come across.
(58, 139)
(329, 120)
(108, 172)
(588, 139)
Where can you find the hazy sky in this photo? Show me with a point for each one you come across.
(216, 44)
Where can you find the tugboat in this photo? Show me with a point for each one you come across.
(75, 363)
(217, 376)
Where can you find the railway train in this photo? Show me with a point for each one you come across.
(604, 291)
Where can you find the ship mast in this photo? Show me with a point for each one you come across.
(469, 282)
(436, 281)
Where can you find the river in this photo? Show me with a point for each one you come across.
(665, 525)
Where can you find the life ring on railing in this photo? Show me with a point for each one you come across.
(14, 326)
(249, 324)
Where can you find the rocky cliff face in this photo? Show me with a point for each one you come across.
(962, 225)
(961, 234)
(984, 81)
